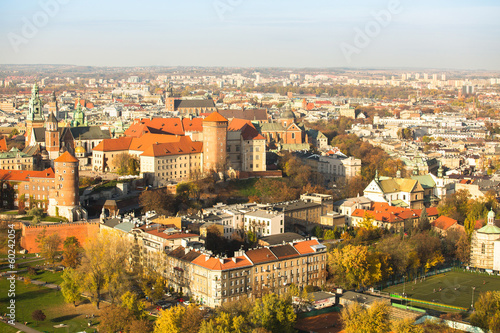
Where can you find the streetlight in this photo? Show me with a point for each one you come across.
(404, 291)
(472, 303)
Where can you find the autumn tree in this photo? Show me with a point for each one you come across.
(38, 316)
(486, 313)
(71, 252)
(406, 326)
(49, 245)
(423, 221)
(274, 313)
(125, 164)
(104, 266)
(357, 319)
(131, 302)
(354, 266)
(179, 319)
(160, 200)
(70, 287)
(114, 318)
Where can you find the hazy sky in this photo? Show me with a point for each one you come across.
(286, 33)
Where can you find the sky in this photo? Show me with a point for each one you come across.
(441, 34)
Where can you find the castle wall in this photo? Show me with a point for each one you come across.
(82, 231)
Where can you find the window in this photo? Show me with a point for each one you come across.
(483, 248)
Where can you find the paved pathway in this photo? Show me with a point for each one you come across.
(24, 328)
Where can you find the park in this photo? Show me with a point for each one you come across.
(454, 288)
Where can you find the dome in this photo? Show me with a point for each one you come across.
(80, 150)
(288, 115)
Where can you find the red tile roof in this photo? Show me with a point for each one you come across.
(215, 116)
(305, 246)
(3, 144)
(117, 144)
(192, 125)
(221, 264)
(66, 157)
(443, 222)
(258, 256)
(237, 124)
(25, 175)
(182, 147)
(147, 140)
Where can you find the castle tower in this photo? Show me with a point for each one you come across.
(52, 137)
(34, 119)
(214, 142)
(170, 99)
(53, 108)
(65, 200)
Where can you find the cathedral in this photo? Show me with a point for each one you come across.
(45, 138)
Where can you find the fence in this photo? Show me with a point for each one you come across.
(453, 324)
(413, 300)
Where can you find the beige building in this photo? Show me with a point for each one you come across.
(246, 148)
(164, 162)
(16, 160)
(485, 246)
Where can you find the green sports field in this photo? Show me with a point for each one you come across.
(455, 286)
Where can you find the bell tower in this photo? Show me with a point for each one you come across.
(34, 119)
(52, 137)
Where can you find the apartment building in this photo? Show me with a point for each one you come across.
(264, 222)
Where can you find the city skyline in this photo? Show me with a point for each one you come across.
(444, 35)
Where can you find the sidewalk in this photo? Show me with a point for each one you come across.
(24, 328)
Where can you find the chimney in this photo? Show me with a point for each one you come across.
(234, 259)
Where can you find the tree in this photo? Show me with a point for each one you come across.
(105, 263)
(318, 232)
(113, 319)
(70, 287)
(125, 164)
(49, 245)
(357, 319)
(463, 249)
(406, 326)
(131, 302)
(423, 221)
(179, 319)
(161, 201)
(71, 252)
(367, 222)
(274, 314)
(38, 315)
(486, 313)
(140, 326)
(354, 266)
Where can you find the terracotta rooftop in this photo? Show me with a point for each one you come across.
(215, 116)
(237, 124)
(25, 175)
(258, 256)
(182, 147)
(443, 222)
(117, 144)
(66, 157)
(305, 246)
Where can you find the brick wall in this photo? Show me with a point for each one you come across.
(82, 231)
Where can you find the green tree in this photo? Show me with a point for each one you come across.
(274, 314)
(70, 287)
(125, 164)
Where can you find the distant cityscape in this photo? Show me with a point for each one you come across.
(230, 184)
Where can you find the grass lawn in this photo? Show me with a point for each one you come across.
(30, 298)
(461, 296)
(46, 219)
(6, 328)
(46, 276)
(10, 212)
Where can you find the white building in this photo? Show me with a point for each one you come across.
(265, 222)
